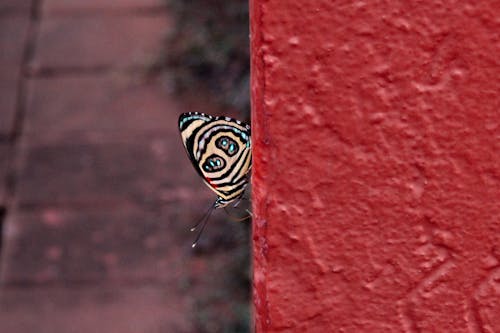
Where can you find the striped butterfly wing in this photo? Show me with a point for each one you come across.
(220, 150)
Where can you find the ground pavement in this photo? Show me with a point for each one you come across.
(97, 193)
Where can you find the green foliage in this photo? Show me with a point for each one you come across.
(209, 47)
(223, 290)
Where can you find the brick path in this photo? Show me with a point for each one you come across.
(98, 194)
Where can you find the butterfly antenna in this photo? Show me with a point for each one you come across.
(205, 216)
(204, 224)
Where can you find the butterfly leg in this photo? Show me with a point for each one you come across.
(238, 201)
(235, 218)
(235, 206)
(241, 209)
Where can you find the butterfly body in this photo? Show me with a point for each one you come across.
(220, 151)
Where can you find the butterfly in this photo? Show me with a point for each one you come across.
(220, 150)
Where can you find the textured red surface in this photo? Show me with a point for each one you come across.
(376, 179)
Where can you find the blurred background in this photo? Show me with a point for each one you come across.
(97, 194)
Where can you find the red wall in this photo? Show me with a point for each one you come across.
(376, 176)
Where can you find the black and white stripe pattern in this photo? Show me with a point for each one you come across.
(220, 150)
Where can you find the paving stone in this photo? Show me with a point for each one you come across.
(15, 5)
(62, 6)
(13, 32)
(128, 246)
(95, 309)
(8, 102)
(119, 244)
(105, 191)
(100, 41)
(106, 104)
(139, 169)
(4, 158)
(88, 245)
